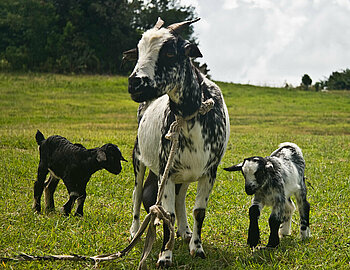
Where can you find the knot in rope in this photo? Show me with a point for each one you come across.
(206, 106)
(174, 130)
(175, 127)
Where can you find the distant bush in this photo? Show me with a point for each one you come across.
(339, 80)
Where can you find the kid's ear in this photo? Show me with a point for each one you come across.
(101, 156)
(234, 168)
(191, 50)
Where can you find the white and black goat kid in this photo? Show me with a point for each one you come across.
(74, 164)
(167, 84)
(273, 180)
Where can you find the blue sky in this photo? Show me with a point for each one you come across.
(270, 42)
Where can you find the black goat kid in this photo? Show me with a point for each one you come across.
(74, 164)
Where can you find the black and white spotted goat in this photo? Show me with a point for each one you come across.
(273, 180)
(74, 164)
(167, 85)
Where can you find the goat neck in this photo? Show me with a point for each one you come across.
(187, 98)
(90, 161)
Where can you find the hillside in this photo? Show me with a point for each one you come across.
(94, 110)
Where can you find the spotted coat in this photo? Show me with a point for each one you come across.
(167, 84)
(273, 180)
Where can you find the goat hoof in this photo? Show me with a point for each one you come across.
(36, 208)
(164, 260)
(198, 253)
(64, 212)
(271, 246)
(253, 242)
(49, 210)
(163, 264)
(266, 248)
(201, 254)
(253, 245)
(185, 236)
(36, 211)
(305, 232)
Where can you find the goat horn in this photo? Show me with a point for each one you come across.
(178, 27)
(159, 23)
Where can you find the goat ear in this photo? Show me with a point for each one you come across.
(191, 50)
(101, 156)
(234, 168)
(129, 56)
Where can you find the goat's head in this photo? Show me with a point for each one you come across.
(254, 170)
(109, 157)
(161, 56)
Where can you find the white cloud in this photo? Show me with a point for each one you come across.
(343, 3)
(230, 4)
(193, 3)
(271, 41)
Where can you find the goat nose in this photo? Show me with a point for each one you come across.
(134, 82)
(249, 190)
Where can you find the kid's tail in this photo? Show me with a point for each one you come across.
(39, 137)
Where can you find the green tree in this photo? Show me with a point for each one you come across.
(306, 81)
(317, 86)
(339, 80)
(78, 35)
(24, 29)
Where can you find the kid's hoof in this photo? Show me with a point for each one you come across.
(305, 232)
(64, 212)
(36, 208)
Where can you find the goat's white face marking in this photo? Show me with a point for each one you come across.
(148, 47)
(249, 169)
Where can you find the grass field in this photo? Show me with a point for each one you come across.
(94, 110)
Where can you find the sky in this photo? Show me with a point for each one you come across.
(272, 42)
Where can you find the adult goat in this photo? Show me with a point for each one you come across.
(169, 87)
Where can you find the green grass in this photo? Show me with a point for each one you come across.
(94, 110)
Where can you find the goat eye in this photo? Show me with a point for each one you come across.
(170, 54)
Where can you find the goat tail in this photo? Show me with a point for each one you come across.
(39, 137)
(294, 146)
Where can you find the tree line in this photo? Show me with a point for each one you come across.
(78, 36)
(338, 80)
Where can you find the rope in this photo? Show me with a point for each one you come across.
(157, 210)
(151, 220)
